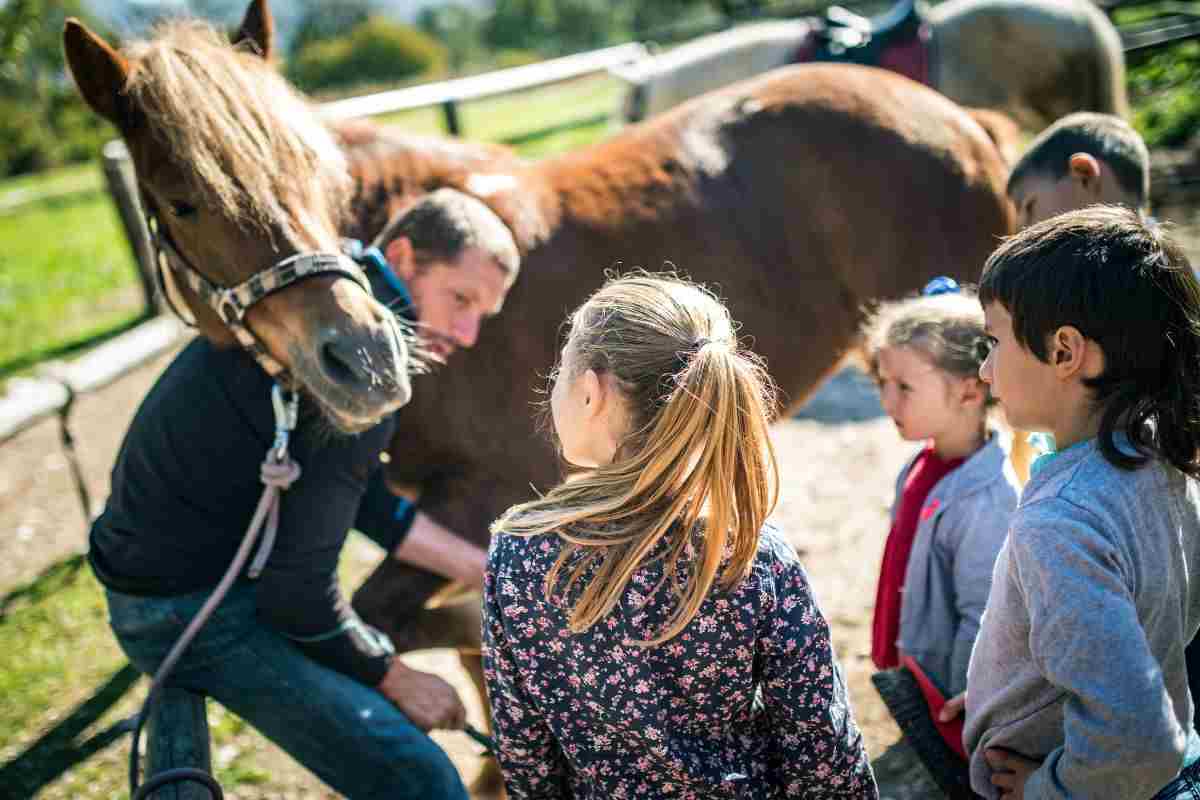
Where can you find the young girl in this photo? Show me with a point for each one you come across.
(953, 499)
(646, 635)
(1077, 685)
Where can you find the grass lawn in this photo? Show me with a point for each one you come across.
(67, 273)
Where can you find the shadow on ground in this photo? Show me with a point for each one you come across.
(848, 396)
(59, 750)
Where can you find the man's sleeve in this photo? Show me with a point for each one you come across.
(384, 517)
(298, 591)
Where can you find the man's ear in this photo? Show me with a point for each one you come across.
(399, 254)
(1085, 170)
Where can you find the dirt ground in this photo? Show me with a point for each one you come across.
(838, 460)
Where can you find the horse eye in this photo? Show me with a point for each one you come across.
(181, 209)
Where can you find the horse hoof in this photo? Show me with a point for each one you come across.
(489, 784)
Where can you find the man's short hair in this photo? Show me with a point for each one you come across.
(1105, 137)
(445, 222)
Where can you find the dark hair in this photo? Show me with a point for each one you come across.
(1125, 286)
(1103, 136)
(445, 222)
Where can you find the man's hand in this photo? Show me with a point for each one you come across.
(953, 707)
(1009, 772)
(427, 700)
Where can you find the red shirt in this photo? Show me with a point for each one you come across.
(926, 471)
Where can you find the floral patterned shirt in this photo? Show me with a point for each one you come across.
(745, 702)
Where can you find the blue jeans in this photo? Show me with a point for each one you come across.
(346, 733)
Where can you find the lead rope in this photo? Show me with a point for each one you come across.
(278, 472)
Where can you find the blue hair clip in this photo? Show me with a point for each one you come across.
(941, 285)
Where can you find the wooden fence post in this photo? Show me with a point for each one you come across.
(450, 112)
(122, 187)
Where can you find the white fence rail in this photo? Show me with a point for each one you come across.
(491, 84)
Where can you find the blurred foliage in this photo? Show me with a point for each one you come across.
(555, 27)
(373, 51)
(43, 122)
(1162, 90)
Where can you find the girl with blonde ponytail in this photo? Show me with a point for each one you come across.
(646, 633)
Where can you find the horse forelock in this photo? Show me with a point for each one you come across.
(246, 139)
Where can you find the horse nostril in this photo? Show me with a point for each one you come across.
(340, 363)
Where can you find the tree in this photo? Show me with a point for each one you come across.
(375, 51)
(458, 28)
(43, 122)
(325, 21)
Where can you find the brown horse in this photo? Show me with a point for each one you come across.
(247, 188)
(803, 194)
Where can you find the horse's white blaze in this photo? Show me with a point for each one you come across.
(485, 185)
(700, 147)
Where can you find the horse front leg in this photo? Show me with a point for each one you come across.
(421, 611)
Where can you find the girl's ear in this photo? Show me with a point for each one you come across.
(593, 391)
(973, 391)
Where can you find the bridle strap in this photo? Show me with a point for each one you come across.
(231, 303)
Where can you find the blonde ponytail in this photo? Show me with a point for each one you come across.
(698, 447)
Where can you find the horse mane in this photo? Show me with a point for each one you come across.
(246, 139)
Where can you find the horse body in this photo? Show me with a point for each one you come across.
(1034, 59)
(802, 195)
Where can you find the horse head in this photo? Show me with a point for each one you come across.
(245, 190)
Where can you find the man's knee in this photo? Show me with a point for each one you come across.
(421, 770)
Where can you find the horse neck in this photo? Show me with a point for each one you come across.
(617, 183)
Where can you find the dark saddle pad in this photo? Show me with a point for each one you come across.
(844, 36)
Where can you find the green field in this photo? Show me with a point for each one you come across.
(67, 273)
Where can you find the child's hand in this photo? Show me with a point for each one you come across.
(953, 707)
(1009, 772)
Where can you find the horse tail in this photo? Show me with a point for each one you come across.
(1109, 68)
(1002, 130)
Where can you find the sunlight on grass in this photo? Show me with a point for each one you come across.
(66, 272)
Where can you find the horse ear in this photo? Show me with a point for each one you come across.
(258, 28)
(99, 71)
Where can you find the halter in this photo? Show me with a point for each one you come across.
(231, 303)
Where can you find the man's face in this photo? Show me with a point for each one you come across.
(1087, 181)
(453, 299)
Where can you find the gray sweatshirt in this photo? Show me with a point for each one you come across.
(954, 550)
(1079, 660)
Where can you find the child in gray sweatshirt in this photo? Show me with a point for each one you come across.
(1077, 685)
